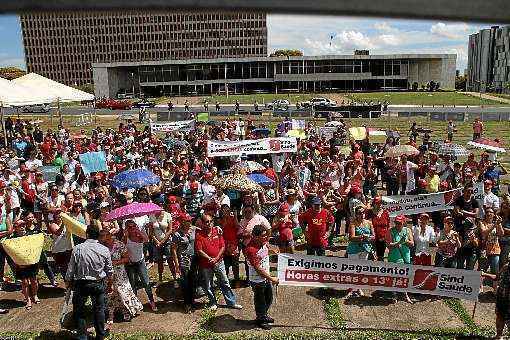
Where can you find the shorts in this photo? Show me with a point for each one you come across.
(27, 272)
(359, 256)
(164, 250)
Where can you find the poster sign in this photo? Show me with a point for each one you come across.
(251, 147)
(93, 162)
(50, 172)
(416, 204)
(182, 125)
(342, 273)
(327, 131)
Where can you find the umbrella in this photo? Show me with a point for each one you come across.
(452, 150)
(399, 150)
(261, 179)
(392, 134)
(134, 209)
(237, 182)
(487, 144)
(247, 166)
(136, 178)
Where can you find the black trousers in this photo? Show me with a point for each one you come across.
(262, 298)
(380, 248)
(96, 291)
(188, 281)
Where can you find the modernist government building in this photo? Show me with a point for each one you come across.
(171, 53)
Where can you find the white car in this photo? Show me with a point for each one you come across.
(36, 108)
(278, 104)
(319, 101)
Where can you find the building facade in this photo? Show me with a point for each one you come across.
(274, 74)
(63, 45)
(489, 60)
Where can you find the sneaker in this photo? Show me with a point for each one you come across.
(263, 325)
(213, 307)
(236, 306)
(269, 319)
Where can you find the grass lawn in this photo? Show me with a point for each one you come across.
(423, 98)
(245, 98)
(500, 95)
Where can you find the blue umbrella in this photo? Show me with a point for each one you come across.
(136, 178)
(261, 179)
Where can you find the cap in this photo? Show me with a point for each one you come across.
(284, 208)
(316, 200)
(422, 183)
(401, 219)
(172, 199)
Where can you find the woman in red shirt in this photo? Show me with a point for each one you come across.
(229, 225)
(381, 223)
(283, 224)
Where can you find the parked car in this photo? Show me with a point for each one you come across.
(143, 103)
(113, 104)
(278, 104)
(319, 101)
(36, 108)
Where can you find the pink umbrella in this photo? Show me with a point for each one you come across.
(134, 209)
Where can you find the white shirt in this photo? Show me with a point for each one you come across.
(278, 161)
(261, 257)
(209, 192)
(422, 241)
(491, 201)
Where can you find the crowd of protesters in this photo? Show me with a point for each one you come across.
(320, 192)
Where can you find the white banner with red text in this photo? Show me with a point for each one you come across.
(417, 204)
(216, 148)
(342, 273)
(183, 125)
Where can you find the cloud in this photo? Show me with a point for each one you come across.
(451, 31)
(390, 39)
(384, 27)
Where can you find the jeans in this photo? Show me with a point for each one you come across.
(43, 262)
(262, 298)
(221, 275)
(445, 262)
(96, 290)
(232, 262)
(138, 270)
(315, 250)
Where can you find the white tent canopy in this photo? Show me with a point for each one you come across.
(52, 88)
(12, 94)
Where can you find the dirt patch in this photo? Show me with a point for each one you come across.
(293, 309)
(484, 313)
(380, 313)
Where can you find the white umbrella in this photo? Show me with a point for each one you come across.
(333, 123)
(487, 144)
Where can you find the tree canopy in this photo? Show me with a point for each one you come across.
(11, 72)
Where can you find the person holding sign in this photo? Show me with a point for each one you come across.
(261, 281)
(424, 235)
(27, 274)
(399, 240)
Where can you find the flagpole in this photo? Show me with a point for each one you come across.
(3, 123)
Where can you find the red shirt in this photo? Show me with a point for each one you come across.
(381, 224)
(285, 230)
(230, 228)
(317, 226)
(210, 244)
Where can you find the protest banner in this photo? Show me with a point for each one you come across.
(342, 273)
(24, 250)
(183, 125)
(262, 146)
(416, 204)
(93, 162)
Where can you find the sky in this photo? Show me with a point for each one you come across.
(321, 35)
